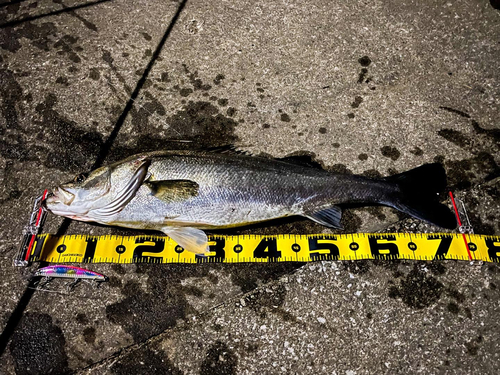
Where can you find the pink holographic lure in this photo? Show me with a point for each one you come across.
(70, 272)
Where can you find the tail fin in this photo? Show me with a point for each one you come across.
(418, 195)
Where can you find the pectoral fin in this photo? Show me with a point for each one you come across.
(191, 239)
(329, 217)
(173, 190)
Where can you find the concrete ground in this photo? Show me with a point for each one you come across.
(369, 87)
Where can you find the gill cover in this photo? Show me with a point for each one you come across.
(126, 194)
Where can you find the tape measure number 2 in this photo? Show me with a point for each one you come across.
(258, 248)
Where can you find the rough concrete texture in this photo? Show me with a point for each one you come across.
(363, 87)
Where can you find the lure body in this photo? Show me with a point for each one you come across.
(69, 272)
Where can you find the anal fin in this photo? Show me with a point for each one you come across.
(329, 217)
(191, 239)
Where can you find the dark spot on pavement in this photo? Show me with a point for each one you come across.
(271, 298)
(417, 290)
(362, 75)
(119, 269)
(462, 174)
(67, 46)
(219, 360)
(145, 361)
(202, 123)
(62, 81)
(82, 318)
(146, 36)
(40, 35)
(364, 61)
(38, 346)
(350, 221)
(145, 313)
(72, 148)
(453, 308)
(266, 126)
(339, 168)
(185, 91)
(456, 295)
(363, 156)
(284, 117)
(357, 101)
(456, 111)
(472, 348)
(250, 276)
(494, 134)
(375, 211)
(218, 79)
(222, 102)
(359, 267)
(455, 137)
(390, 152)
(417, 151)
(322, 130)
(372, 173)
(89, 335)
(94, 74)
(350, 115)
(164, 77)
(436, 267)
(231, 111)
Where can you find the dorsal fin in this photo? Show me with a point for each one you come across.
(303, 160)
(227, 149)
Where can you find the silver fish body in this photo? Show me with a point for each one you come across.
(182, 192)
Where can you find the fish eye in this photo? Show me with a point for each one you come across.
(81, 177)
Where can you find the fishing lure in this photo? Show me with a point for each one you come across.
(66, 272)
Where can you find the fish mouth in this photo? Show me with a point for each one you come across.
(60, 195)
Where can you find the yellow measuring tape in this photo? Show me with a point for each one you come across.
(260, 248)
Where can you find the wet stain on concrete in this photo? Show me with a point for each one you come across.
(417, 290)
(284, 117)
(357, 102)
(71, 147)
(417, 151)
(456, 111)
(453, 308)
(250, 276)
(362, 75)
(472, 346)
(144, 313)
(455, 137)
(60, 143)
(40, 35)
(365, 61)
(363, 157)
(67, 46)
(219, 360)
(390, 152)
(359, 267)
(219, 78)
(145, 361)
(38, 346)
(271, 298)
(463, 174)
(89, 335)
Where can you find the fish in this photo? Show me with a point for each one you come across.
(70, 272)
(184, 193)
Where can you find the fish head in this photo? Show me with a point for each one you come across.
(101, 194)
